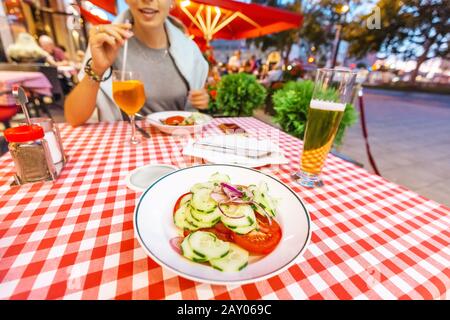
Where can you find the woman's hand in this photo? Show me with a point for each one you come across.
(105, 42)
(199, 99)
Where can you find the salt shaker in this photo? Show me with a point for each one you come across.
(30, 153)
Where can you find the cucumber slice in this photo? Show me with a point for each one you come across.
(244, 230)
(202, 201)
(206, 218)
(206, 244)
(261, 196)
(187, 251)
(185, 199)
(203, 212)
(199, 223)
(189, 223)
(198, 186)
(180, 218)
(218, 177)
(238, 210)
(235, 260)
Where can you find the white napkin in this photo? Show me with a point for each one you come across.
(245, 145)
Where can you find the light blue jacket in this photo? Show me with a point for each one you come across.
(186, 55)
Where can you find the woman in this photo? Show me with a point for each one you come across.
(171, 65)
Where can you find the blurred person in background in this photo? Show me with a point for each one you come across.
(234, 63)
(274, 74)
(273, 57)
(26, 50)
(213, 76)
(57, 54)
(251, 65)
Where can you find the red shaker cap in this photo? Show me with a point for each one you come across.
(24, 133)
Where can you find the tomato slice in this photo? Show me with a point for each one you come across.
(220, 227)
(262, 240)
(177, 204)
(174, 121)
(222, 232)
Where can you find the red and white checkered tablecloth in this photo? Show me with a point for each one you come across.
(73, 239)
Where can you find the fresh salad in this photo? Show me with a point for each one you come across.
(193, 119)
(223, 224)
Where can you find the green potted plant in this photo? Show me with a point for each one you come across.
(291, 110)
(212, 105)
(239, 94)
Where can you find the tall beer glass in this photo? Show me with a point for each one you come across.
(332, 92)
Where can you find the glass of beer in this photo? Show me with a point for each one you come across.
(332, 92)
(129, 94)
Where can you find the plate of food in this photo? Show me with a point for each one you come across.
(222, 224)
(178, 122)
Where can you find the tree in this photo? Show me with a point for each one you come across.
(317, 30)
(283, 40)
(412, 29)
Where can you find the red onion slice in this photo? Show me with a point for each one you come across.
(265, 213)
(175, 243)
(218, 196)
(231, 191)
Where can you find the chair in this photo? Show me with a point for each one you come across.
(7, 112)
(3, 146)
(57, 91)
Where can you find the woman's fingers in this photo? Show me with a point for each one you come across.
(118, 33)
(124, 30)
(202, 106)
(198, 92)
(199, 98)
(99, 39)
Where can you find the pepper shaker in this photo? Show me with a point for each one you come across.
(30, 153)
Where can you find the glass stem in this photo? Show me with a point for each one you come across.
(133, 129)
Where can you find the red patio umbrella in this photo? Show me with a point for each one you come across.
(227, 19)
(108, 5)
(92, 18)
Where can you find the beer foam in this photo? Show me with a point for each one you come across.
(327, 105)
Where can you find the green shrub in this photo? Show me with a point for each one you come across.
(291, 109)
(239, 94)
(212, 105)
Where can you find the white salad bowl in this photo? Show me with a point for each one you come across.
(154, 226)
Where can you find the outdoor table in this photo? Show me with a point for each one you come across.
(34, 81)
(74, 238)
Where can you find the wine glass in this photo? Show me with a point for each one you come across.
(129, 94)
